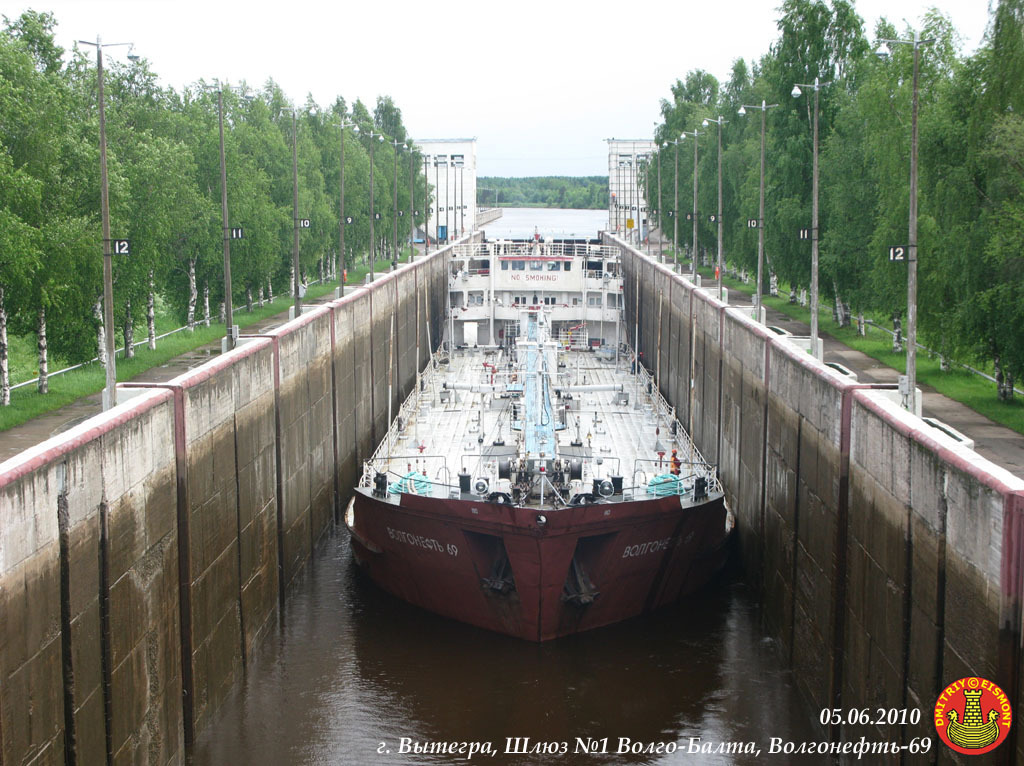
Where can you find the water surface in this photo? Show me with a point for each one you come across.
(353, 670)
(559, 223)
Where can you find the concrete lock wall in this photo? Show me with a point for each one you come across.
(145, 553)
(934, 552)
(888, 556)
(89, 658)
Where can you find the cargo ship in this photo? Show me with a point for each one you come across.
(536, 483)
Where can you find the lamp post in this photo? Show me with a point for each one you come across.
(439, 160)
(110, 387)
(228, 314)
(631, 215)
(622, 203)
(623, 200)
(661, 249)
(693, 254)
(394, 254)
(675, 205)
(647, 199)
(426, 204)
(911, 392)
(412, 198)
(760, 210)
(460, 163)
(817, 86)
(228, 233)
(342, 221)
(634, 167)
(721, 271)
(379, 139)
(437, 200)
(644, 200)
(295, 216)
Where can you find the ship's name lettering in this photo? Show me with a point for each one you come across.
(419, 541)
(533, 277)
(642, 549)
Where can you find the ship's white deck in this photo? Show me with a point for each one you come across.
(441, 432)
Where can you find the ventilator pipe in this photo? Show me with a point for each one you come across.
(476, 388)
(590, 388)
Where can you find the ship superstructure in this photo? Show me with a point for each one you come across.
(578, 284)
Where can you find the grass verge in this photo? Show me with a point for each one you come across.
(27, 403)
(958, 383)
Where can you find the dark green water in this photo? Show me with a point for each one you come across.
(353, 671)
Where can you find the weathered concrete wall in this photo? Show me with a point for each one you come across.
(89, 658)
(139, 574)
(934, 552)
(802, 509)
(226, 404)
(145, 553)
(305, 436)
(890, 560)
(383, 320)
(743, 434)
(347, 364)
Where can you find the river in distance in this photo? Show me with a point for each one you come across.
(351, 674)
(559, 223)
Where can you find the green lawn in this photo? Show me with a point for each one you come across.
(958, 383)
(27, 403)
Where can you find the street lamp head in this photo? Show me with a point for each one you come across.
(705, 123)
(380, 139)
(796, 92)
(742, 110)
(355, 128)
(882, 51)
(133, 56)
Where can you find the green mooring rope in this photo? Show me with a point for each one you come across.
(665, 484)
(412, 482)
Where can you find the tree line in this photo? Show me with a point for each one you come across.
(970, 182)
(163, 155)
(585, 193)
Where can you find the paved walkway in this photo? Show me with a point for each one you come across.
(992, 441)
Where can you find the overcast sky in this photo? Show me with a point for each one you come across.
(540, 84)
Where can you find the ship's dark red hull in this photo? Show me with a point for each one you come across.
(498, 567)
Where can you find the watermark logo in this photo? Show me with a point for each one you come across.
(973, 715)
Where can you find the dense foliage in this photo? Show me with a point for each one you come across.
(163, 151)
(971, 172)
(589, 193)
